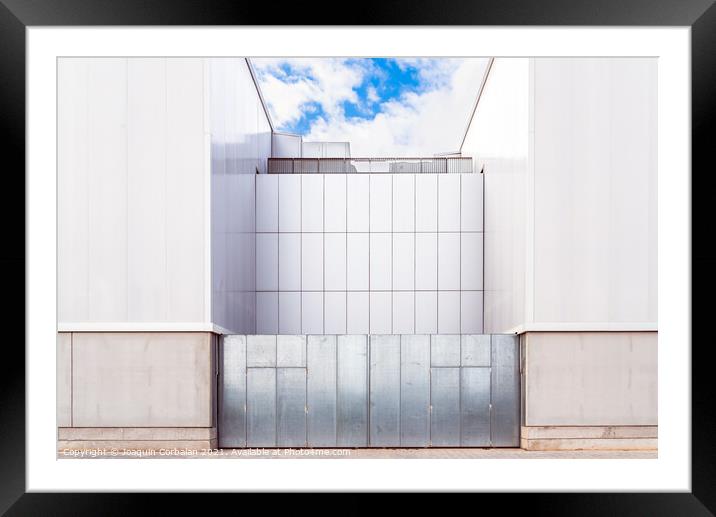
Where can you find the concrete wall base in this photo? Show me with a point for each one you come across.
(135, 438)
(591, 438)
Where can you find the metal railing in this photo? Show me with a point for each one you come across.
(369, 165)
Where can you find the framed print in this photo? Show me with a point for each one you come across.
(257, 254)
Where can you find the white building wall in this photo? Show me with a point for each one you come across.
(157, 160)
(361, 253)
(568, 148)
(240, 146)
(286, 145)
(595, 191)
(131, 185)
(498, 140)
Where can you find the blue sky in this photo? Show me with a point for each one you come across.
(383, 106)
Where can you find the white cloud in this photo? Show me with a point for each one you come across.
(419, 123)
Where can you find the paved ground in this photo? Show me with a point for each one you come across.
(463, 453)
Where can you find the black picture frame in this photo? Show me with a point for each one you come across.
(16, 15)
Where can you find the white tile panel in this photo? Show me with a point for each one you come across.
(358, 202)
(403, 261)
(289, 261)
(357, 261)
(381, 313)
(426, 261)
(471, 312)
(471, 261)
(289, 202)
(267, 202)
(312, 262)
(335, 312)
(403, 312)
(404, 202)
(381, 194)
(107, 165)
(426, 312)
(335, 261)
(380, 261)
(72, 194)
(267, 313)
(471, 202)
(357, 305)
(448, 261)
(289, 313)
(267, 262)
(312, 202)
(426, 202)
(448, 202)
(335, 202)
(312, 313)
(448, 312)
(146, 195)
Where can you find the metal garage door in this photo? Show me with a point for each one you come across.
(369, 391)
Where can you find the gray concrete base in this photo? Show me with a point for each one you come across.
(135, 438)
(589, 438)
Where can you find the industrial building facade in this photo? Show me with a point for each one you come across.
(224, 284)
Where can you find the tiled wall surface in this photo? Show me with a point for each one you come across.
(360, 253)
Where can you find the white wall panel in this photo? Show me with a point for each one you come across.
(289, 202)
(448, 312)
(312, 312)
(380, 313)
(335, 261)
(403, 312)
(426, 312)
(358, 202)
(471, 202)
(448, 261)
(380, 261)
(426, 202)
(403, 202)
(335, 312)
(426, 261)
(286, 145)
(289, 261)
(449, 202)
(267, 312)
(72, 190)
(267, 203)
(312, 202)
(358, 315)
(335, 202)
(312, 262)
(289, 313)
(471, 312)
(498, 140)
(146, 192)
(381, 201)
(107, 163)
(267, 262)
(357, 262)
(403, 261)
(187, 150)
(471, 261)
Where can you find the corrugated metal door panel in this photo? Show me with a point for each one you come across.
(232, 392)
(321, 390)
(261, 407)
(414, 390)
(384, 390)
(352, 396)
(505, 420)
(475, 407)
(291, 407)
(445, 407)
